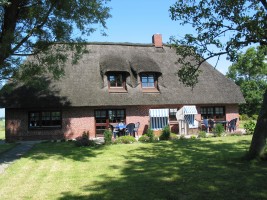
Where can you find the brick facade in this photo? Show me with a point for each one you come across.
(76, 120)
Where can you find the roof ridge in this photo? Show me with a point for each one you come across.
(115, 43)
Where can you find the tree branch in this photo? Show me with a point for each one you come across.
(25, 54)
(214, 55)
(37, 27)
(264, 3)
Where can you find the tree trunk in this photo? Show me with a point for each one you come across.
(258, 142)
(7, 30)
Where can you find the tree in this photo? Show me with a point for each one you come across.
(32, 27)
(222, 27)
(250, 73)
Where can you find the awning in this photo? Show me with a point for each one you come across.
(190, 110)
(159, 112)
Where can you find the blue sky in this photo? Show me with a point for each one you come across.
(136, 21)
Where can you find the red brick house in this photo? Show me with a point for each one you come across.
(115, 81)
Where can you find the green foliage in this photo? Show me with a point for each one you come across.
(108, 136)
(250, 126)
(173, 136)
(255, 117)
(31, 28)
(84, 140)
(165, 135)
(249, 66)
(202, 134)
(144, 138)
(244, 117)
(193, 137)
(218, 130)
(150, 134)
(250, 73)
(242, 22)
(125, 140)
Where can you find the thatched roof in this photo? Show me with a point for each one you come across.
(143, 63)
(85, 84)
(113, 63)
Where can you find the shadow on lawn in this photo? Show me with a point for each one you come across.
(64, 150)
(185, 169)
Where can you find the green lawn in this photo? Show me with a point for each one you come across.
(186, 169)
(2, 130)
(4, 147)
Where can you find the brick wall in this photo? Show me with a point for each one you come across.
(79, 119)
(74, 122)
(232, 112)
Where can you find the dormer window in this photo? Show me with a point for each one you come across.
(116, 82)
(149, 82)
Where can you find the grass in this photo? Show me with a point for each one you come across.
(210, 168)
(2, 130)
(5, 147)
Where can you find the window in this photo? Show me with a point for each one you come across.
(100, 116)
(148, 80)
(217, 112)
(115, 80)
(45, 119)
(149, 83)
(104, 118)
(114, 116)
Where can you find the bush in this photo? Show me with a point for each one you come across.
(173, 136)
(244, 117)
(202, 134)
(255, 117)
(193, 137)
(84, 140)
(144, 138)
(218, 130)
(250, 126)
(108, 136)
(150, 134)
(165, 133)
(125, 140)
